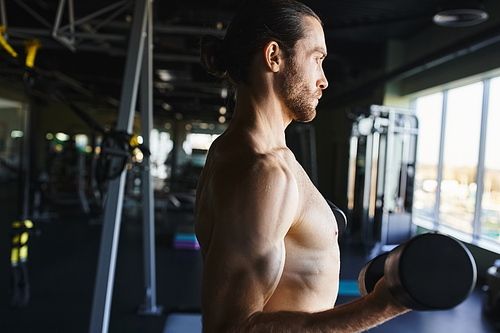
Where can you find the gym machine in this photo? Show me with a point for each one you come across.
(381, 175)
(138, 67)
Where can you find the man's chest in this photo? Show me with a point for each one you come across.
(315, 227)
(310, 276)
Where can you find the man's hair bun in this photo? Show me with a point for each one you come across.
(256, 23)
(212, 56)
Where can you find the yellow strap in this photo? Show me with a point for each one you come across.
(134, 141)
(24, 238)
(4, 43)
(28, 224)
(14, 255)
(16, 224)
(23, 252)
(31, 47)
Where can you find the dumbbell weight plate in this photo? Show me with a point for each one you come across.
(371, 273)
(339, 216)
(430, 272)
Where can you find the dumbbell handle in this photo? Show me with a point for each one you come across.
(371, 273)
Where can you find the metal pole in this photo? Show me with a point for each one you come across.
(63, 40)
(148, 221)
(440, 160)
(103, 290)
(84, 203)
(373, 177)
(26, 162)
(33, 13)
(94, 15)
(351, 180)
(3, 16)
(481, 163)
(71, 14)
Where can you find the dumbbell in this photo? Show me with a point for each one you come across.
(339, 216)
(429, 272)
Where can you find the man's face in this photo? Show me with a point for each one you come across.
(303, 78)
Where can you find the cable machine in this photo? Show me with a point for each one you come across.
(383, 146)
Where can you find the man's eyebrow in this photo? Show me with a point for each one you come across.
(320, 50)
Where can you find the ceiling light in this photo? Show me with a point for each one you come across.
(173, 75)
(460, 17)
(62, 136)
(166, 107)
(223, 93)
(16, 134)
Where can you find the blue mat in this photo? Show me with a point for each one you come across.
(348, 288)
(183, 323)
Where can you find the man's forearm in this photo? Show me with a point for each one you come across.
(355, 316)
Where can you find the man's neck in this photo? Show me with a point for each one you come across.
(261, 111)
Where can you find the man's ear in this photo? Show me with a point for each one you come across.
(274, 56)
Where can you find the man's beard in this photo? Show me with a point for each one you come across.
(296, 95)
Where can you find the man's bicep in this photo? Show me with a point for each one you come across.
(238, 283)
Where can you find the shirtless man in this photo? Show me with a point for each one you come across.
(268, 237)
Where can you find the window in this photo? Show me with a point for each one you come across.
(11, 134)
(429, 113)
(461, 153)
(160, 146)
(197, 145)
(457, 180)
(490, 203)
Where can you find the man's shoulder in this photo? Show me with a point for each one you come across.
(255, 161)
(249, 165)
(244, 153)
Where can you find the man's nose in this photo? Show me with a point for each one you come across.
(322, 82)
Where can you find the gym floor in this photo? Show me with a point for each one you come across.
(62, 267)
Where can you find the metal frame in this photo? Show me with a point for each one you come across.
(138, 57)
(25, 162)
(3, 17)
(365, 225)
(353, 154)
(69, 38)
(84, 203)
(480, 163)
(379, 163)
(69, 43)
(33, 13)
(405, 144)
(148, 232)
(441, 159)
